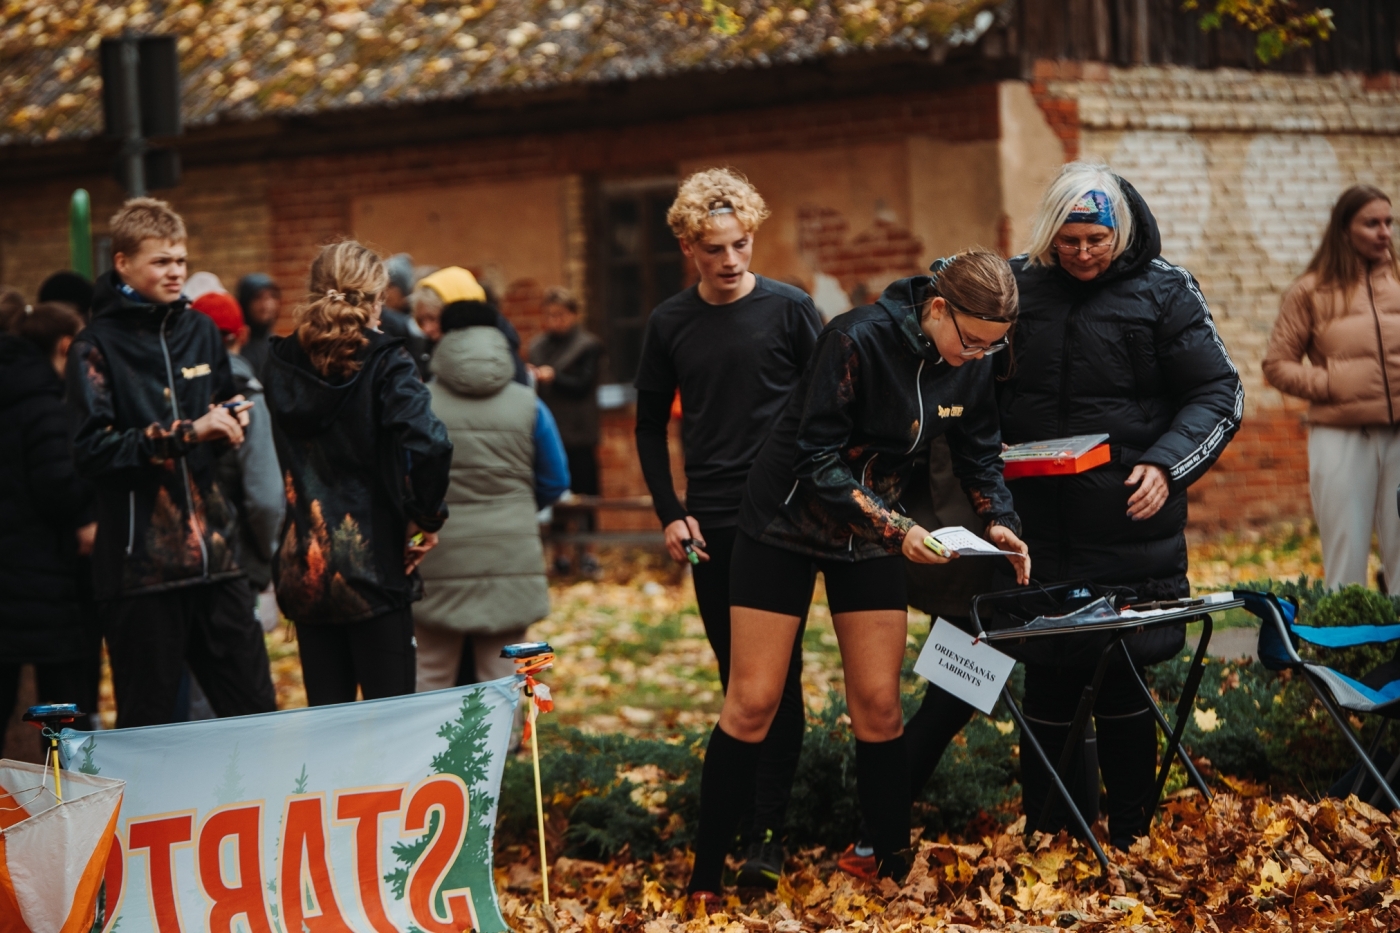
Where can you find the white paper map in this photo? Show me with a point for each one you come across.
(957, 538)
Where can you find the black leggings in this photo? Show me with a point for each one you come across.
(376, 655)
(777, 760)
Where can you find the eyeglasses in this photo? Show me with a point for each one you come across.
(1074, 249)
(970, 351)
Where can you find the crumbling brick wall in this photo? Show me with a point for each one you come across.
(1241, 170)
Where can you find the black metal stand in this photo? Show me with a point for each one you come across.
(1174, 733)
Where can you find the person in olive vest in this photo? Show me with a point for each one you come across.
(485, 583)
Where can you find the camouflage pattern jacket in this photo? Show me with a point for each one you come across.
(361, 457)
(856, 432)
(138, 377)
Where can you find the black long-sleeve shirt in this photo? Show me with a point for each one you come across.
(734, 366)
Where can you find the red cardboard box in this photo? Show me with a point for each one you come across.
(1061, 456)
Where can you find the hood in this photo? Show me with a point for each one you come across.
(901, 301)
(24, 372)
(108, 301)
(247, 292)
(474, 361)
(308, 404)
(1146, 244)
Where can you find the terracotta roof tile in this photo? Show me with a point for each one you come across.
(242, 60)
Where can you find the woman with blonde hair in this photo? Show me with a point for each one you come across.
(365, 462)
(1112, 339)
(1343, 314)
(884, 380)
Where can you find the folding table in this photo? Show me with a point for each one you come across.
(1032, 639)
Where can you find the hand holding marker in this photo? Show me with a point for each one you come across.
(938, 547)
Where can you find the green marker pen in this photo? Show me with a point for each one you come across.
(690, 555)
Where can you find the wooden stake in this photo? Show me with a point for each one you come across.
(539, 793)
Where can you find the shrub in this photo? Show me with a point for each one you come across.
(615, 792)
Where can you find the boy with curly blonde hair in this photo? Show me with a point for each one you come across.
(734, 345)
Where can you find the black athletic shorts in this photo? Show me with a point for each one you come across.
(770, 578)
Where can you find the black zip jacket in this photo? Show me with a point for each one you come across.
(1134, 354)
(856, 432)
(361, 458)
(42, 504)
(138, 377)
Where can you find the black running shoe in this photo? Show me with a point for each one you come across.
(763, 864)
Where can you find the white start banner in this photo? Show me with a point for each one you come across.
(969, 669)
(372, 817)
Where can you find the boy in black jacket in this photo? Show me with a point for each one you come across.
(146, 380)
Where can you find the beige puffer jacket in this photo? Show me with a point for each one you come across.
(1354, 379)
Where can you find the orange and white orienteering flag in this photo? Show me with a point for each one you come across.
(53, 855)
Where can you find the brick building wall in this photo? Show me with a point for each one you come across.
(1241, 170)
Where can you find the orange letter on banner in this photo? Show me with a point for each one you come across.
(304, 834)
(446, 794)
(367, 808)
(244, 823)
(158, 835)
(113, 879)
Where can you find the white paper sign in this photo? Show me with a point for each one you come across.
(972, 672)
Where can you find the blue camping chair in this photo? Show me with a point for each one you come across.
(1279, 638)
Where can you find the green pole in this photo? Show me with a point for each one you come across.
(80, 233)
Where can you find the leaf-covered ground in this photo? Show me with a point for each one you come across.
(632, 659)
(1241, 862)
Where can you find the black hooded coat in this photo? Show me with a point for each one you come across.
(361, 457)
(42, 504)
(138, 377)
(1135, 354)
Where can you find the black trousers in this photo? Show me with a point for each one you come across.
(777, 763)
(375, 655)
(208, 626)
(1126, 749)
(583, 469)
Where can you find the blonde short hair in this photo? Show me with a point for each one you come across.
(144, 219)
(1074, 180)
(707, 194)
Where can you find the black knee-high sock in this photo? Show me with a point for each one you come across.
(726, 793)
(882, 783)
(929, 731)
(777, 763)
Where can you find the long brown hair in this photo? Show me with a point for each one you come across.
(347, 279)
(1336, 263)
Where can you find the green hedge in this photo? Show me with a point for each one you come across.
(642, 795)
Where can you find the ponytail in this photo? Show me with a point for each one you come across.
(347, 281)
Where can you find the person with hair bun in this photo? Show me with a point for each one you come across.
(734, 345)
(365, 463)
(1115, 340)
(1343, 314)
(824, 494)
